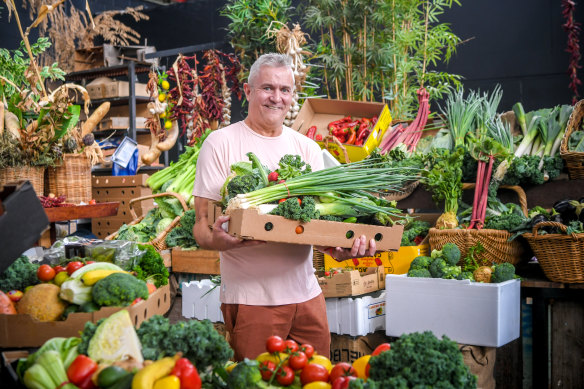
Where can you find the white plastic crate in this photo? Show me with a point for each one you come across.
(467, 312)
(200, 300)
(356, 316)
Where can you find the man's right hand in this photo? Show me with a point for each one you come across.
(222, 241)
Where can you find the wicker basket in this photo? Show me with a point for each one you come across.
(72, 178)
(34, 174)
(159, 242)
(498, 249)
(561, 256)
(574, 160)
(397, 196)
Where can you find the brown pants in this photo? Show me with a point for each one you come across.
(249, 326)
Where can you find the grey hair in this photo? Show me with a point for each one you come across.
(274, 60)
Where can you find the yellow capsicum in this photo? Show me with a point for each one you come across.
(168, 382)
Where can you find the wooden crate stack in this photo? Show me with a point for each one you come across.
(122, 189)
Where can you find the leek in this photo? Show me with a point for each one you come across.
(460, 114)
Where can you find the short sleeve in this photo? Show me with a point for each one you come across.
(211, 170)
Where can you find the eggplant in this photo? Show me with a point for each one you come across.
(567, 210)
(537, 219)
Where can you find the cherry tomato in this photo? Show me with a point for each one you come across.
(275, 344)
(58, 269)
(285, 376)
(267, 369)
(343, 382)
(307, 349)
(92, 202)
(45, 273)
(342, 369)
(89, 262)
(313, 372)
(72, 266)
(290, 346)
(381, 348)
(298, 360)
(137, 300)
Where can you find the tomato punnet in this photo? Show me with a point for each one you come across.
(342, 369)
(72, 266)
(307, 349)
(285, 376)
(343, 382)
(297, 360)
(275, 344)
(81, 368)
(290, 346)
(313, 372)
(381, 348)
(58, 269)
(45, 273)
(267, 369)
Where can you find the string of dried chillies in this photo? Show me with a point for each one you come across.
(573, 29)
(182, 96)
(410, 135)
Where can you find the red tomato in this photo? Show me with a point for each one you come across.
(343, 382)
(313, 372)
(137, 300)
(72, 266)
(381, 348)
(58, 269)
(285, 376)
(307, 349)
(89, 262)
(342, 369)
(290, 346)
(45, 273)
(92, 202)
(297, 360)
(275, 344)
(267, 369)
(81, 368)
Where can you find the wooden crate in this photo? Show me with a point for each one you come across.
(195, 261)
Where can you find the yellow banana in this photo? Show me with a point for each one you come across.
(91, 277)
(145, 378)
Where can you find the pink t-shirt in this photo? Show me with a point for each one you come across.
(272, 273)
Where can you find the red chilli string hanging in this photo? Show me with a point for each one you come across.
(573, 29)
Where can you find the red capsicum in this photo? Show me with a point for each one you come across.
(187, 374)
(311, 132)
(80, 371)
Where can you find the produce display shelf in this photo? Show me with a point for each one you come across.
(82, 211)
(122, 100)
(110, 71)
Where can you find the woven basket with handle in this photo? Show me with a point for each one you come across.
(72, 178)
(561, 256)
(574, 160)
(498, 249)
(34, 174)
(159, 242)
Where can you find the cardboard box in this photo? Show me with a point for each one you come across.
(345, 348)
(467, 312)
(122, 89)
(356, 316)
(249, 224)
(352, 282)
(120, 123)
(123, 110)
(25, 331)
(320, 112)
(393, 262)
(200, 300)
(118, 181)
(197, 261)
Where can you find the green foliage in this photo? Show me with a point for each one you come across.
(20, 274)
(444, 177)
(182, 235)
(292, 209)
(151, 267)
(245, 375)
(292, 166)
(507, 222)
(360, 383)
(524, 171)
(197, 340)
(242, 184)
(170, 207)
(118, 289)
(413, 230)
(420, 360)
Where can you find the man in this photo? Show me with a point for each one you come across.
(266, 288)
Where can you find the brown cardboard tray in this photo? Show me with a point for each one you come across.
(25, 331)
(249, 224)
(118, 181)
(353, 282)
(198, 261)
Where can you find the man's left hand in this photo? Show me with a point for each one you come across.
(358, 250)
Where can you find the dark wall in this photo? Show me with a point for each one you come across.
(519, 44)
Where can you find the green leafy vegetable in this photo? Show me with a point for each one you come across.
(151, 267)
(20, 274)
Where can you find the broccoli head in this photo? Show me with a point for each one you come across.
(119, 289)
(451, 272)
(438, 267)
(245, 375)
(419, 273)
(292, 166)
(242, 184)
(503, 272)
(465, 275)
(421, 262)
(20, 274)
(524, 170)
(507, 222)
(296, 209)
(553, 165)
(450, 252)
(421, 360)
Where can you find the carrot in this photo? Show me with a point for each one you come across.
(6, 305)
(95, 118)
(170, 140)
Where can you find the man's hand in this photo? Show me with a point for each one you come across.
(358, 250)
(222, 241)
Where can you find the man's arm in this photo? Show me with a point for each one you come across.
(216, 238)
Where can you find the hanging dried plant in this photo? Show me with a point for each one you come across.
(113, 31)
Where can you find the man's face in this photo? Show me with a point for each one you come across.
(270, 96)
